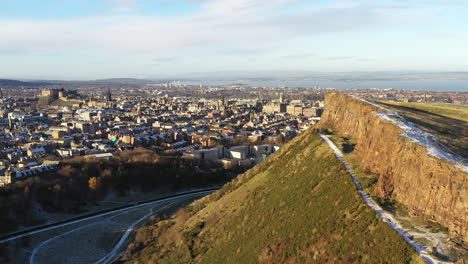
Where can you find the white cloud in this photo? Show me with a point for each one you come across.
(234, 28)
(241, 7)
(122, 5)
(240, 24)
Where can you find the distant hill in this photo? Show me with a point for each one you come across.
(116, 81)
(124, 81)
(298, 206)
(16, 83)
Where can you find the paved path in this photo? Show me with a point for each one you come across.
(96, 239)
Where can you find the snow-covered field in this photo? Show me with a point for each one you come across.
(390, 219)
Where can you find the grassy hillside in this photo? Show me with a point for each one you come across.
(459, 112)
(45, 101)
(299, 206)
(447, 122)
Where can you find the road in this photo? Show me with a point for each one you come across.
(95, 239)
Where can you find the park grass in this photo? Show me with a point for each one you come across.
(454, 111)
(447, 122)
(299, 206)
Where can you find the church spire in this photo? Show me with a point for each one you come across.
(108, 95)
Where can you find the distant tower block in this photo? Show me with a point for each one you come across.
(1, 93)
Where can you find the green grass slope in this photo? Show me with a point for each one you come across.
(45, 102)
(299, 206)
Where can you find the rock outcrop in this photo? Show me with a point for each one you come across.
(429, 181)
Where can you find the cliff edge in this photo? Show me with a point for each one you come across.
(413, 167)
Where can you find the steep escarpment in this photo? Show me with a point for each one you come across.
(412, 167)
(298, 206)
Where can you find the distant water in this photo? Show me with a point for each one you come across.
(427, 85)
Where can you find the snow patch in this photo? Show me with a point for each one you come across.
(434, 147)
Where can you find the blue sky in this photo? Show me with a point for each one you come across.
(91, 39)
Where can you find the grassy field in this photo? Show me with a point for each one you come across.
(299, 206)
(449, 123)
(454, 111)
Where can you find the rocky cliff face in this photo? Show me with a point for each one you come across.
(412, 168)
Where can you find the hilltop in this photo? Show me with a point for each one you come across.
(298, 206)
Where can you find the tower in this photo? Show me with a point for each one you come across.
(223, 104)
(140, 112)
(108, 95)
(9, 175)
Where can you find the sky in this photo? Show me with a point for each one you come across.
(95, 39)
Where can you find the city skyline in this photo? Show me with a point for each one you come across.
(152, 39)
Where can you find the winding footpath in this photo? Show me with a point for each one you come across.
(385, 216)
